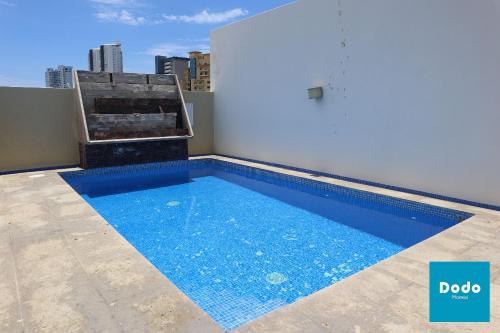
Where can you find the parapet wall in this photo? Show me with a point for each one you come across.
(37, 128)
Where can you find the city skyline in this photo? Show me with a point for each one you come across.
(144, 27)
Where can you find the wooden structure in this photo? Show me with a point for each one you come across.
(128, 118)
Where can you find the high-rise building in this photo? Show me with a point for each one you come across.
(199, 71)
(171, 65)
(111, 58)
(193, 72)
(60, 77)
(176, 65)
(106, 58)
(95, 60)
(160, 64)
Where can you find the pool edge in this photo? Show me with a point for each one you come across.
(346, 304)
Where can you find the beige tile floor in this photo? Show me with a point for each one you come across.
(63, 268)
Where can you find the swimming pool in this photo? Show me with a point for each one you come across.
(241, 241)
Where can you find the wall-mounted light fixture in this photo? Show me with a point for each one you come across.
(315, 93)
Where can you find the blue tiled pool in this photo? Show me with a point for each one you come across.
(241, 242)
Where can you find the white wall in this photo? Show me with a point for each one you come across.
(413, 99)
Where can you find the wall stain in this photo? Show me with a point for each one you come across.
(339, 85)
(330, 83)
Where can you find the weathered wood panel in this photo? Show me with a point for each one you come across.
(161, 79)
(129, 105)
(89, 87)
(86, 76)
(117, 134)
(89, 99)
(122, 126)
(129, 78)
(135, 119)
(106, 105)
(127, 94)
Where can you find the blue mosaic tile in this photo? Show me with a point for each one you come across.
(287, 180)
(371, 183)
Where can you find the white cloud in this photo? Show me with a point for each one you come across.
(122, 11)
(206, 17)
(176, 49)
(118, 11)
(122, 16)
(6, 3)
(115, 2)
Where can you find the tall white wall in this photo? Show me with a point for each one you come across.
(411, 91)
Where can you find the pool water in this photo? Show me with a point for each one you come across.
(241, 242)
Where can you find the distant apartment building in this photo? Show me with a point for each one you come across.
(193, 72)
(172, 65)
(160, 64)
(60, 77)
(111, 58)
(199, 71)
(95, 60)
(106, 58)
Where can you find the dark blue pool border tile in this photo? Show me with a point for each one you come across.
(288, 181)
(371, 183)
(291, 181)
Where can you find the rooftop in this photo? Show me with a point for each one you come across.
(215, 211)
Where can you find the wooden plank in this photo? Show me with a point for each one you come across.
(113, 105)
(121, 94)
(129, 78)
(88, 104)
(161, 79)
(139, 102)
(100, 135)
(86, 76)
(131, 93)
(93, 86)
(121, 126)
(163, 119)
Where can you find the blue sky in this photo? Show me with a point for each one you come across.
(38, 34)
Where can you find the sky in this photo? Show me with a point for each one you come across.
(36, 34)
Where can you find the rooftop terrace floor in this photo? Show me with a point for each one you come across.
(63, 268)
